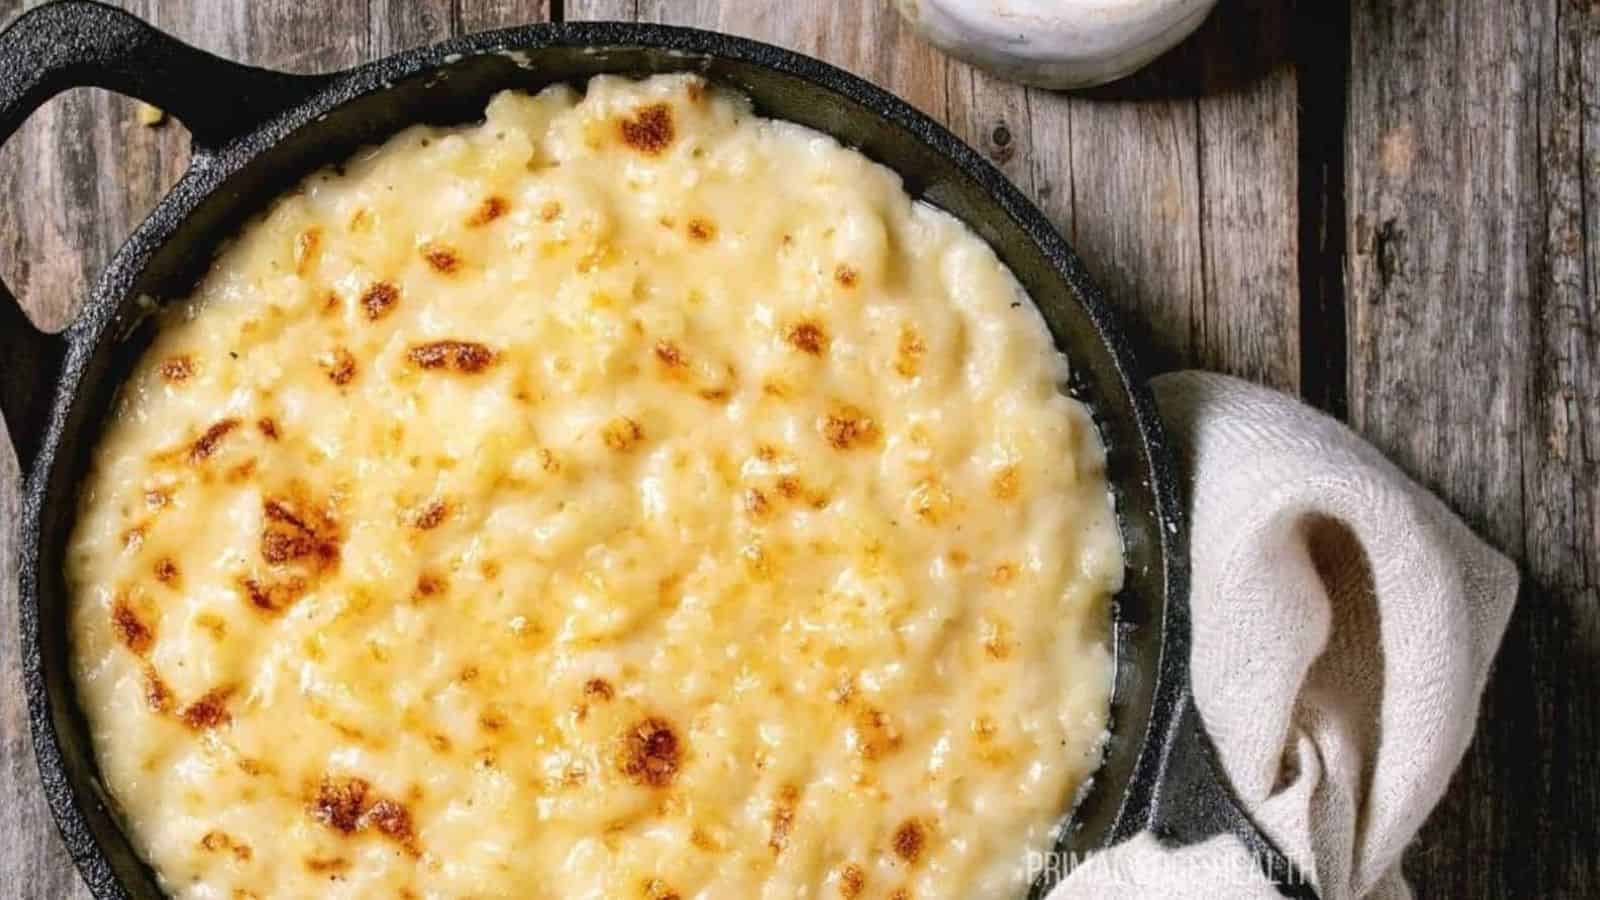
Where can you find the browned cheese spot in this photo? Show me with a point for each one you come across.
(133, 538)
(701, 230)
(845, 275)
(307, 247)
(492, 207)
(850, 428)
(273, 596)
(1007, 484)
(442, 259)
(430, 586)
(210, 711)
(156, 498)
(548, 461)
(339, 803)
(908, 353)
(852, 881)
(330, 865)
(492, 720)
(783, 811)
(379, 299)
(649, 130)
(393, 821)
(241, 473)
(135, 633)
(464, 357)
(876, 736)
(431, 516)
(166, 571)
(900, 894)
(219, 841)
(598, 689)
(268, 427)
(294, 531)
(651, 753)
(670, 358)
(808, 337)
(177, 369)
(157, 695)
(909, 841)
(550, 211)
(206, 444)
(341, 366)
(757, 504)
(715, 395)
(622, 434)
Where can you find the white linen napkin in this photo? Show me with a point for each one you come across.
(1344, 623)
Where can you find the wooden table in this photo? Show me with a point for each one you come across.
(1388, 206)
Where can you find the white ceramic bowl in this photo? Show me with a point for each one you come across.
(1056, 43)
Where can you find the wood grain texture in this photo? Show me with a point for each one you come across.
(1475, 364)
(1212, 196)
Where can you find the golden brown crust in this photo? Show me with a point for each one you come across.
(206, 444)
(808, 337)
(339, 802)
(701, 230)
(464, 357)
(493, 207)
(132, 629)
(177, 369)
(852, 881)
(442, 259)
(783, 813)
(651, 754)
(850, 428)
(210, 711)
(431, 516)
(910, 839)
(341, 366)
(379, 299)
(649, 130)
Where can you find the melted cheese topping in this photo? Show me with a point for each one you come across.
(624, 497)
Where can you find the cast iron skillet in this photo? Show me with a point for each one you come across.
(257, 132)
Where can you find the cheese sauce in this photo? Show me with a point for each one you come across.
(624, 497)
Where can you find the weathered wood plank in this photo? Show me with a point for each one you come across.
(1476, 365)
(1178, 188)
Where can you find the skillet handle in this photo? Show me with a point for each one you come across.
(77, 43)
(1195, 803)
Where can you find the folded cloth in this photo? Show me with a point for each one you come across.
(1344, 623)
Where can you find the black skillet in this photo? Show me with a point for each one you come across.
(257, 132)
